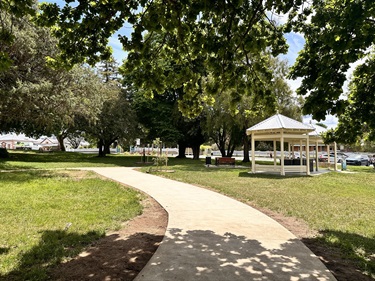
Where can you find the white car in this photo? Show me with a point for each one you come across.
(324, 157)
(36, 147)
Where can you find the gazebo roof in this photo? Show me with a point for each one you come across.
(318, 130)
(277, 123)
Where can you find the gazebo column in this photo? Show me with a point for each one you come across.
(307, 156)
(252, 153)
(300, 152)
(274, 153)
(335, 155)
(282, 172)
(316, 155)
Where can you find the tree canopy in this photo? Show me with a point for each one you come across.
(226, 39)
(338, 34)
(11, 13)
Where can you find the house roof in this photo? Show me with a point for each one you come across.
(318, 130)
(277, 123)
(15, 137)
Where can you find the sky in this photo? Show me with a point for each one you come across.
(294, 40)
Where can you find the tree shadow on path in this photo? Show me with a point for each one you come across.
(205, 255)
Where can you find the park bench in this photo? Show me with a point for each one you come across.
(225, 161)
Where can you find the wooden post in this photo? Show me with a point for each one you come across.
(316, 155)
(282, 172)
(274, 153)
(307, 156)
(252, 153)
(335, 155)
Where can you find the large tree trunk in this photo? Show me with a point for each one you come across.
(246, 149)
(222, 151)
(181, 150)
(107, 149)
(60, 139)
(196, 150)
(100, 146)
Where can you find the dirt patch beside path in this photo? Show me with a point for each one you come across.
(342, 269)
(122, 254)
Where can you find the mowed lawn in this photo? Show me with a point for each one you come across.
(20, 160)
(50, 216)
(340, 206)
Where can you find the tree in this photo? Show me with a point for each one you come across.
(219, 37)
(115, 121)
(337, 34)
(161, 118)
(109, 70)
(227, 122)
(84, 93)
(221, 125)
(11, 14)
(357, 123)
(32, 91)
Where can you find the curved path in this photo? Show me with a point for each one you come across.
(213, 237)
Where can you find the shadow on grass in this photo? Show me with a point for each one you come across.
(67, 159)
(24, 176)
(4, 250)
(347, 255)
(270, 176)
(110, 258)
(53, 247)
(361, 169)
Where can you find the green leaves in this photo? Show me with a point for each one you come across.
(358, 118)
(338, 34)
(176, 44)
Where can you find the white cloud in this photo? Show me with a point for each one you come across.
(296, 41)
(118, 52)
(330, 121)
(294, 84)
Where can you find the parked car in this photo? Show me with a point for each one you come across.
(33, 146)
(296, 155)
(340, 155)
(358, 159)
(372, 159)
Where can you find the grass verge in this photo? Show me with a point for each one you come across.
(48, 217)
(23, 160)
(340, 206)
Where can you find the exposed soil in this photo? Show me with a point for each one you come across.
(342, 269)
(121, 255)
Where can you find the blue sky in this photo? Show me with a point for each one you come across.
(295, 41)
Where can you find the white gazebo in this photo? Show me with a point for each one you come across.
(279, 128)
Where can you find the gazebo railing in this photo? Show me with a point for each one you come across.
(277, 168)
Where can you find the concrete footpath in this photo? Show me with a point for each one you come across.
(213, 237)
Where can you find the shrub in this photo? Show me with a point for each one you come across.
(3, 153)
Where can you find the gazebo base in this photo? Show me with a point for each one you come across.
(271, 169)
(277, 168)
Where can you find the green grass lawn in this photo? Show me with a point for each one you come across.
(338, 205)
(36, 160)
(341, 206)
(36, 207)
